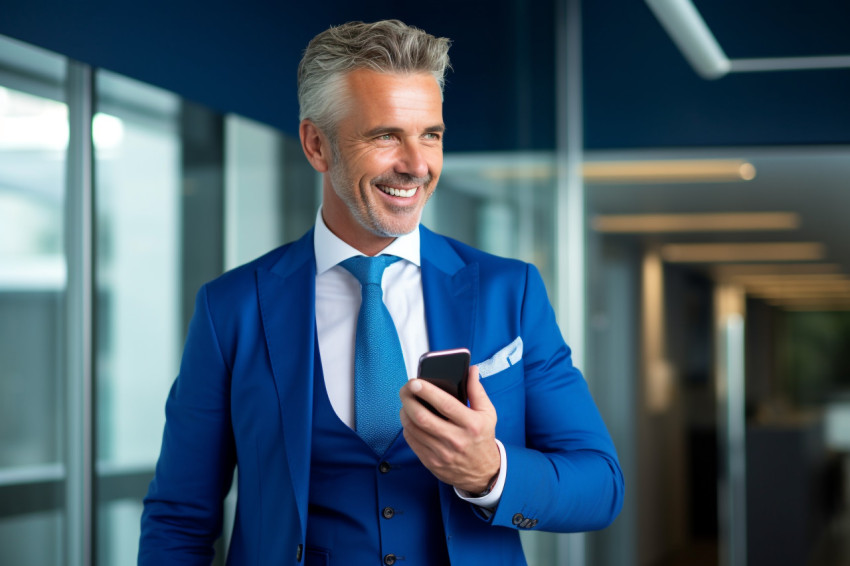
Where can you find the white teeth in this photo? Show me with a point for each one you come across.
(398, 192)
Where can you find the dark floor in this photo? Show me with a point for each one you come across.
(833, 549)
(699, 553)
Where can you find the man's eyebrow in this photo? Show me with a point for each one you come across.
(381, 130)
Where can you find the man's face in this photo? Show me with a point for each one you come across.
(387, 159)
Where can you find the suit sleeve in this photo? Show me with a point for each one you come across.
(182, 514)
(566, 478)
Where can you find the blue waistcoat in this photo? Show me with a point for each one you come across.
(366, 509)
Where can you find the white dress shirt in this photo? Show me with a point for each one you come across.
(338, 300)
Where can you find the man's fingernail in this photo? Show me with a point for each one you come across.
(415, 386)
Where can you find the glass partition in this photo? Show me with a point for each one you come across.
(138, 225)
(33, 142)
(500, 203)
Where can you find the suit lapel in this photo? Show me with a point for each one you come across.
(287, 304)
(450, 291)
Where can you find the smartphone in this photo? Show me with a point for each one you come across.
(448, 370)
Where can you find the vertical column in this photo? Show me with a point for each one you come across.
(570, 215)
(731, 421)
(79, 302)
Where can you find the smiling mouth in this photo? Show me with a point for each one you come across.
(406, 193)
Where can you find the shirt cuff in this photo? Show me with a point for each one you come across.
(491, 500)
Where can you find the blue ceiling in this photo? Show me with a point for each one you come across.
(641, 93)
(638, 90)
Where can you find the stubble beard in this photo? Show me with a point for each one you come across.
(363, 209)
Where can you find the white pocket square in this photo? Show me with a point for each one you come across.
(502, 360)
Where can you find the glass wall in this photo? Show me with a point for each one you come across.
(163, 169)
(724, 289)
(33, 139)
(138, 150)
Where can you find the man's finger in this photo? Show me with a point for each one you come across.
(478, 398)
(444, 403)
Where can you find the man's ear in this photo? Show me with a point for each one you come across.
(315, 145)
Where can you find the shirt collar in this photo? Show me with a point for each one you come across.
(330, 250)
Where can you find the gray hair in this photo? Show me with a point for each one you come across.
(388, 46)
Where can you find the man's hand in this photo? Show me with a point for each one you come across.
(461, 450)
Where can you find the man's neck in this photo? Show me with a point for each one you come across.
(366, 243)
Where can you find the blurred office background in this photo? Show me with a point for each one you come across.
(680, 178)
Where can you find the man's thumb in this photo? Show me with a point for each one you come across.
(478, 399)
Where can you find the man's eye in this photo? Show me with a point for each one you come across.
(385, 137)
(432, 136)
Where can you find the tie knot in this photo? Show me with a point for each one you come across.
(368, 270)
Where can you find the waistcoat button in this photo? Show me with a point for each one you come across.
(389, 559)
(388, 512)
(384, 467)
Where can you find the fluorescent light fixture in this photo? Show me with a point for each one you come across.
(669, 171)
(636, 172)
(790, 63)
(711, 222)
(747, 251)
(686, 27)
(681, 20)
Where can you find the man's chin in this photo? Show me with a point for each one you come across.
(393, 233)
(393, 229)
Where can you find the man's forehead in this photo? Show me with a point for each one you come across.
(366, 74)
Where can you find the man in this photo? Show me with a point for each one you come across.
(276, 376)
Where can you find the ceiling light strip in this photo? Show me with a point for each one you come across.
(669, 171)
(685, 26)
(704, 222)
(743, 252)
(790, 63)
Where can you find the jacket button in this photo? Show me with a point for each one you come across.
(388, 512)
(389, 559)
(384, 467)
(517, 519)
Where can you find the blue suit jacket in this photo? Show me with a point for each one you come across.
(244, 395)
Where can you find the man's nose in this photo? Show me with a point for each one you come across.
(412, 160)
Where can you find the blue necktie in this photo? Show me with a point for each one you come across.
(379, 370)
